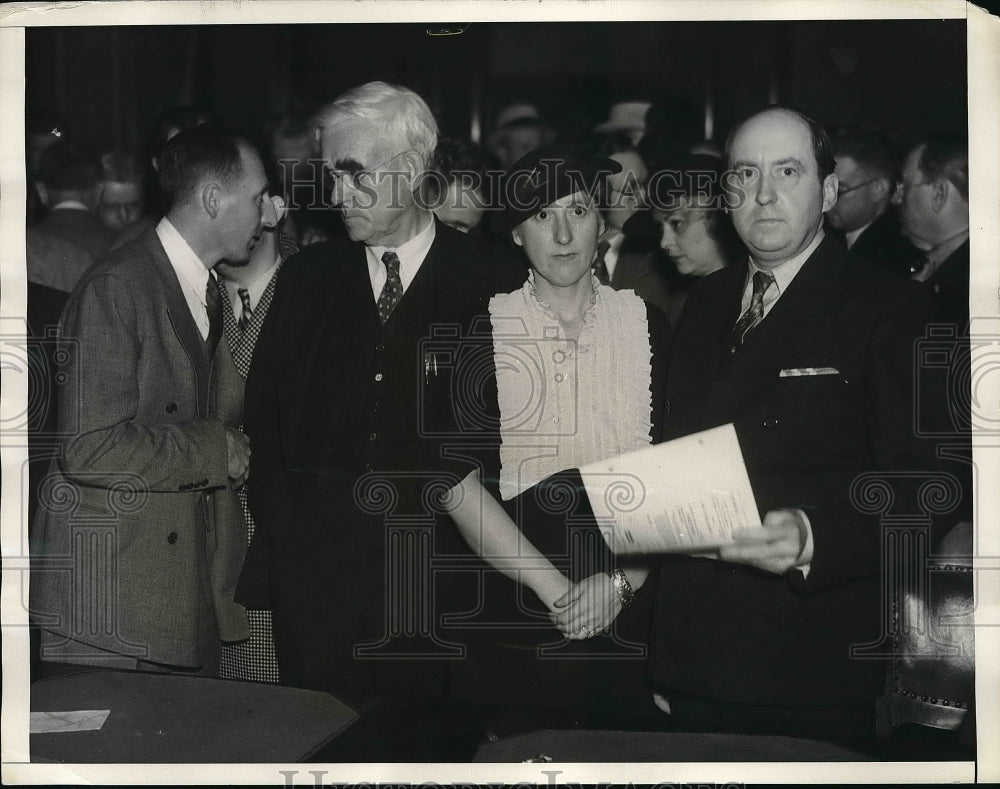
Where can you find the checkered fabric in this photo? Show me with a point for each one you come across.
(252, 660)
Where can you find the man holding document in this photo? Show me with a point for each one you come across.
(811, 358)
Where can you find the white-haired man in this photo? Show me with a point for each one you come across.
(349, 404)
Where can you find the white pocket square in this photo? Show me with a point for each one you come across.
(794, 372)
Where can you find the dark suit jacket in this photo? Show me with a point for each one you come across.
(730, 632)
(78, 227)
(638, 268)
(884, 244)
(950, 285)
(137, 514)
(350, 423)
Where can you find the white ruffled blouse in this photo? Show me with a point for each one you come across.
(566, 403)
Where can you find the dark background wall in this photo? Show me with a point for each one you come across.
(906, 76)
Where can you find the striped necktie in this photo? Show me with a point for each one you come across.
(247, 314)
(754, 314)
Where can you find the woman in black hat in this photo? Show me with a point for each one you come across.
(579, 372)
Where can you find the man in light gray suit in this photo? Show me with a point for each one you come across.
(139, 539)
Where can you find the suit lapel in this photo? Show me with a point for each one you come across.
(185, 329)
(801, 313)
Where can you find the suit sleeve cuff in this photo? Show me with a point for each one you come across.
(804, 560)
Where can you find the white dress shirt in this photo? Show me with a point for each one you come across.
(255, 289)
(411, 256)
(191, 272)
(783, 275)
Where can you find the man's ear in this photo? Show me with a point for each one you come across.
(43, 193)
(516, 235)
(211, 199)
(830, 185)
(939, 194)
(883, 187)
(415, 167)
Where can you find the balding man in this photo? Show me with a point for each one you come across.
(810, 355)
(138, 540)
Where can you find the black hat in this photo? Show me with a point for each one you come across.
(545, 175)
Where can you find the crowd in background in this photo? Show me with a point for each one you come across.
(664, 231)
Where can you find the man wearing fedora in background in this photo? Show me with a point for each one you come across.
(519, 130)
(628, 118)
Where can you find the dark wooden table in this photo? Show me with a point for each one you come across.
(159, 718)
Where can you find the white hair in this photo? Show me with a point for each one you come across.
(400, 112)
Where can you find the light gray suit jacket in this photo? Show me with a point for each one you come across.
(139, 539)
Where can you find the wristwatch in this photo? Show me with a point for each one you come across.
(623, 588)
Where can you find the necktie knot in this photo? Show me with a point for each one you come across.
(391, 261)
(392, 291)
(761, 282)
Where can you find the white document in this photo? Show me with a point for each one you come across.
(74, 720)
(688, 495)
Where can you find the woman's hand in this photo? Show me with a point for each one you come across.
(588, 608)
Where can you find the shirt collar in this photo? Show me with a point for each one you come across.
(191, 271)
(852, 235)
(785, 272)
(615, 241)
(413, 251)
(255, 289)
(943, 251)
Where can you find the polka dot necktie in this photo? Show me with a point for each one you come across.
(392, 291)
(247, 314)
(754, 314)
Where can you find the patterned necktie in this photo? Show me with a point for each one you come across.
(247, 313)
(213, 306)
(392, 291)
(754, 314)
(600, 264)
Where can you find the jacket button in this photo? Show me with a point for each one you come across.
(378, 377)
(171, 407)
(770, 422)
(172, 537)
(369, 467)
(373, 437)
